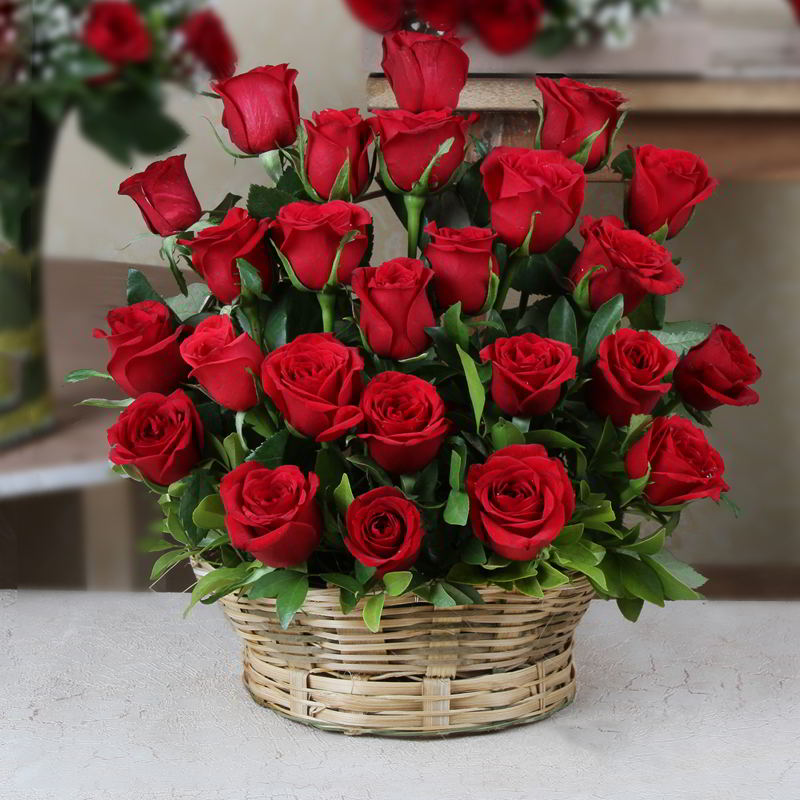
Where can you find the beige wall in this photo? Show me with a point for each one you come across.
(741, 258)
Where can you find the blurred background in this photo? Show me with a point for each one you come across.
(719, 77)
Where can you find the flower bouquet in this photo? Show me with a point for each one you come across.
(404, 488)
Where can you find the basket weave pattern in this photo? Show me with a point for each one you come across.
(428, 670)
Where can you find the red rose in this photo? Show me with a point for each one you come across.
(461, 259)
(145, 348)
(443, 15)
(164, 196)
(261, 108)
(574, 111)
(309, 236)
(384, 530)
(520, 182)
(380, 15)
(271, 513)
(220, 361)
(426, 72)
(635, 265)
(683, 465)
(519, 500)
(528, 373)
(628, 376)
(116, 32)
(395, 309)
(162, 436)
(335, 137)
(718, 372)
(215, 250)
(405, 422)
(208, 41)
(505, 26)
(666, 186)
(409, 142)
(314, 381)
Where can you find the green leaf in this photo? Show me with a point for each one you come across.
(78, 375)
(624, 164)
(139, 289)
(100, 402)
(421, 186)
(271, 584)
(649, 546)
(570, 534)
(270, 453)
(649, 314)
(562, 324)
(582, 156)
(291, 598)
(678, 579)
(641, 580)
(473, 552)
(456, 511)
(364, 574)
(342, 581)
(477, 394)
(209, 513)
(397, 583)
(347, 601)
(680, 337)
(219, 579)
(373, 609)
(266, 203)
(234, 449)
(660, 236)
(376, 472)
(454, 326)
(341, 186)
(529, 586)
(343, 495)
(603, 323)
(505, 434)
(630, 608)
(549, 577)
(249, 278)
(199, 485)
(190, 304)
(167, 560)
(457, 468)
(636, 429)
(580, 293)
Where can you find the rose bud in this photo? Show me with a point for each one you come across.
(628, 376)
(162, 436)
(461, 259)
(207, 40)
(216, 249)
(380, 15)
(261, 108)
(683, 465)
(718, 372)
(409, 142)
(334, 138)
(519, 500)
(505, 26)
(528, 373)
(117, 33)
(635, 265)
(314, 382)
(405, 422)
(164, 196)
(224, 363)
(309, 236)
(574, 111)
(395, 309)
(442, 15)
(426, 72)
(519, 182)
(666, 187)
(145, 348)
(271, 513)
(384, 530)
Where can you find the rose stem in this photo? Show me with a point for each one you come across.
(327, 302)
(414, 205)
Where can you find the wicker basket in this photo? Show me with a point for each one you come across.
(427, 672)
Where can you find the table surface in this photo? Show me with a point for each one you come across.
(114, 696)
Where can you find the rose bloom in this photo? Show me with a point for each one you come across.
(208, 41)
(145, 348)
(528, 373)
(683, 465)
(461, 259)
(520, 182)
(409, 142)
(271, 513)
(405, 422)
(384, 530)
(216, 249)
(334, 137)
(380, 15)
(666, 187)
(443, 15)
(635, 265)
(309, 235)
(260, 108)
(628, 376)
(426, 72)
(164, 195)
(224, 363)
(519, 500)
(718, 372)
(162, 436)
(314, 382)
(574, 111)
(395, 309)
(505, 26)
(117, 32)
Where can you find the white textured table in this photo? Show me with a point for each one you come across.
(114, 696)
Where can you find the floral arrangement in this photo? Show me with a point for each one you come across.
(507, 26)
(307, 419)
